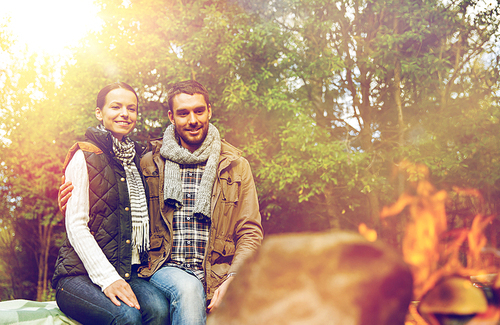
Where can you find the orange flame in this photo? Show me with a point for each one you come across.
(369, 234)
(429, 249)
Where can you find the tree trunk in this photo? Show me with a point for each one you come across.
(44, 239)
(40, 288)
(332, 208)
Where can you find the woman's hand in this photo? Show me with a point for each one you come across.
(121, 289)
(64, 195)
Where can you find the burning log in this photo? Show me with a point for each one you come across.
(452, 298)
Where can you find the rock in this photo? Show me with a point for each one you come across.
(318, 278)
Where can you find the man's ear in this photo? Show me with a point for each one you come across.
(209, 111)
(98, 113)
(171, 116)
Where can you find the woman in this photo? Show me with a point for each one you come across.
(107, 223)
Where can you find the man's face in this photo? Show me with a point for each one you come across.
(190, 115)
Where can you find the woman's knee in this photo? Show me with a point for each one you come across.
(155, 314)
(128, 316)
(155, 311)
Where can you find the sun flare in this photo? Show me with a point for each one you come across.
(50, 26)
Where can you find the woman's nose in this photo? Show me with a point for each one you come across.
(124, 112)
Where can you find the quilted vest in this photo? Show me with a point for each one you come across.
(110, 220)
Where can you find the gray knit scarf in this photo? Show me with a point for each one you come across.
(125, 152)
(176, 155)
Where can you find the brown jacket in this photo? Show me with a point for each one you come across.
(236, 230)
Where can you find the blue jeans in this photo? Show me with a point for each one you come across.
(84, 301)
(184, 292)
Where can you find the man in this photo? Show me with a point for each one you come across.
(203, 205)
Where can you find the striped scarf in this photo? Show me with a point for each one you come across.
(125, 151)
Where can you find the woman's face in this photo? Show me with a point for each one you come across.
(119, 114)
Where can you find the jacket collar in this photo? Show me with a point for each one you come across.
(228, 154)
(104, 141)
(101, 138)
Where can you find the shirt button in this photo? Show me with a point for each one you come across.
(188, 265)
(188, 242)
(188, 218)
(127, 208)
(122, 179)
(127, 275)
(189, 195)
(128, 241)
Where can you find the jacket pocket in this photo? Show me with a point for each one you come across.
(230, 187)
(222, 257)
(155, 245)
(223, 251)
(230, 196)
(153, 179)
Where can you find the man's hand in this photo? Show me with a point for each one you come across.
(64, 194)
(122, 290)
(219, 294)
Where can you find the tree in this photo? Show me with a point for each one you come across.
(370, 75)
(325, 97)
(32, 149)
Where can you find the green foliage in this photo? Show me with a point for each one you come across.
(325, 98)
(34, 119)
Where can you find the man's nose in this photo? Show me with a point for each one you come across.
(192, 118)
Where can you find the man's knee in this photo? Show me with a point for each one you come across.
(190, 293)
(191, 287)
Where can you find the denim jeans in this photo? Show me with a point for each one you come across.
(84, 301)
(185, 293)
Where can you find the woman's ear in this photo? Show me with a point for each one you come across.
(98, 113)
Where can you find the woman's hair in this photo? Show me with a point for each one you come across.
(101, 96)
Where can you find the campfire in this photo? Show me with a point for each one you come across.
(454, 280)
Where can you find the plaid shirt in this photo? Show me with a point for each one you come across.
(190, 234)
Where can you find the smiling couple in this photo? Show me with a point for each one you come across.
(157, 239)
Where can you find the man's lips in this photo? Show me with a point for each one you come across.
(193, 131)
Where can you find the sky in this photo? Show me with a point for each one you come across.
(50, 25)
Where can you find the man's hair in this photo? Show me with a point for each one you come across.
(101, 96)
(189, 87)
